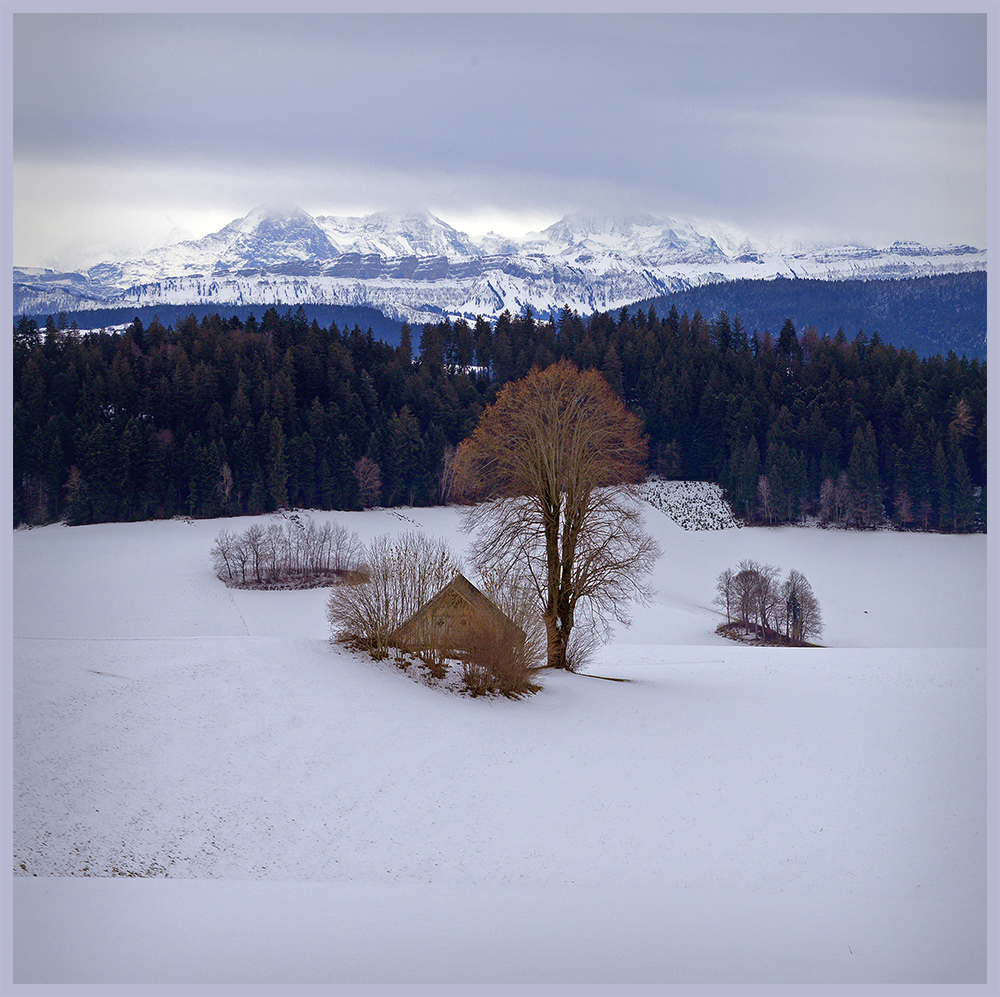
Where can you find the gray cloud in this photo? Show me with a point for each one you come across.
(861, 125)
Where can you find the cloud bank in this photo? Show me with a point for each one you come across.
(864, 127)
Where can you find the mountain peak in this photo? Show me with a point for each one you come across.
(394, 234)
(413, 264)
(270, 234)
(276, 209)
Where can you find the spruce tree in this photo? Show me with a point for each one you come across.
(862, 470)
(963, 498)
(277, 466)
(941, 495)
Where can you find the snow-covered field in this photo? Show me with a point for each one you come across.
(296, 813)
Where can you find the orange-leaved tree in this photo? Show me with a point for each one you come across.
(551, 468)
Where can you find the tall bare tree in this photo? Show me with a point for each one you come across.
(552, 465)
(725, 593)
(800, 608)
(369, 478)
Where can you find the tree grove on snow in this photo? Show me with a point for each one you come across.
(758, 605)
(300, 555)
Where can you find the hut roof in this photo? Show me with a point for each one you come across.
(458, 596)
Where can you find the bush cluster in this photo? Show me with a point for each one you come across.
(399, 575)
(771, 612)
(299, 555)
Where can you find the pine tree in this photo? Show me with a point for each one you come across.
(862, 470)
(940, 495)
(918, 480)
(405, 351)
(277, 466)
(963, 497)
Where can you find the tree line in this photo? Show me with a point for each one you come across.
(222, 417)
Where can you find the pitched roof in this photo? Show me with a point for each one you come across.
(461, 588)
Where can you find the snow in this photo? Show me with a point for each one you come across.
(297, 813)
(583, 261)
(692, 505)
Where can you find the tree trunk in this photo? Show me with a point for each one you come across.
(556, 642)
(551, 517)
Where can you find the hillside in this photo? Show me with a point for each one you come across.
(230, 417)
(931, 315)
(728, 814)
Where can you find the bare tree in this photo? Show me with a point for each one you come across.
(515, 597)
(369, 479)
(725, 593)
(400, 575)
(764, 497)
(843, 499)
(224, 556)
(767, 599)
(224, 486)
(447, 479)
(553, 463)
(745, 591)
(254, 538)
(800, 609)
(827, 491)
(904, 507)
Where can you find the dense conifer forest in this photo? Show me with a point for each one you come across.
(221, 417)
(930, 314)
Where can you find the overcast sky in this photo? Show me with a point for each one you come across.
(130, 129)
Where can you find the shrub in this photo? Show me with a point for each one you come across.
(757, 605)
(300, 555)
(495, 664)
(400, 575)
(583, 644)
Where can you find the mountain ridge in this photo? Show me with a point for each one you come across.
(416, 267)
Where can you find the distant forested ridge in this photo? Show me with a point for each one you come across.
(931, 315)
(344, 316)
(231, 416)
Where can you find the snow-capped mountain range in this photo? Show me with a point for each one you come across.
(418, 268)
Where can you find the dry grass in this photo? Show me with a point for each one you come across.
(496, 664)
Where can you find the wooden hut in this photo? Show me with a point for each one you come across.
(452, 620)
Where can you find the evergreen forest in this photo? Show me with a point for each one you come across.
(223, 417)
(931, 314)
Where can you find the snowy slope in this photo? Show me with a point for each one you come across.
(394, 235)
(268, 237)
(417, 267)
(729, 814)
